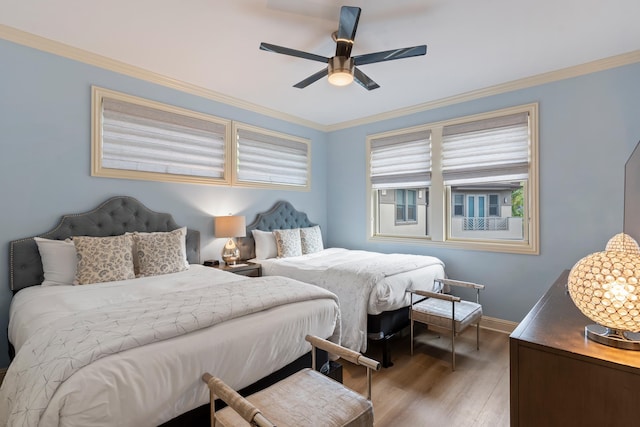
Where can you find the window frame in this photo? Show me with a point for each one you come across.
(98, 95)
(440, 208)
(236, 181)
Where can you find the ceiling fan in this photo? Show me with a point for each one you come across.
(342, 68)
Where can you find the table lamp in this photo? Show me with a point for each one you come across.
(622, 242)
(230, 226)
(605, 286)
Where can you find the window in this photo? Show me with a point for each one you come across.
(405, 206)
(411, 206)
(400, 174)
(271, 159)
(493, 205)
(480, 171)
(458, 204)
(135, 138)
(400, 205)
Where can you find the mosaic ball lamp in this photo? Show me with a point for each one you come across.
(605, 286)
(622, 242)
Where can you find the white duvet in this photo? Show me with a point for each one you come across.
(153, 383)
(365, 282)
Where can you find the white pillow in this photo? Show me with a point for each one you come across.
(59, 261)
(265, 244)
(311, 239)
(288, 242)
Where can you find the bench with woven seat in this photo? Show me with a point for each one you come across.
(448, 312)
(304, 398)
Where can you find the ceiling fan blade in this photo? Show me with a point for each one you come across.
(292, 52)
(389, 55)
(311, 79)
(363, 80)
(349, 17)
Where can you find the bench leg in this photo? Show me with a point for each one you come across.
(411, 335)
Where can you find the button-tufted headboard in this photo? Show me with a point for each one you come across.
(281, 216)
(116, 216)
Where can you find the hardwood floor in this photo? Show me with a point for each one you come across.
(422, 391)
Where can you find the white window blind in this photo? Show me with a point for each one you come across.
(142, 138)
(271, 158)
(401, 160)
(490, 150)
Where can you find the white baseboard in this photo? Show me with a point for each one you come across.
(3, 371)
(498, 325)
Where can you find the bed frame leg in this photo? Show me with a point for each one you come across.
(386, 352)
(383, 344)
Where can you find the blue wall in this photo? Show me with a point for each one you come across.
(45, 163)
(588, 127)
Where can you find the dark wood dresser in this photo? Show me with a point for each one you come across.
(560, 378)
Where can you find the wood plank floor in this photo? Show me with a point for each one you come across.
(422, 391)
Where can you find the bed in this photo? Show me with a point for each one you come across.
(373, 286)
(131, 352)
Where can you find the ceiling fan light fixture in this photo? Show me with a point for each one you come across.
(341, 70)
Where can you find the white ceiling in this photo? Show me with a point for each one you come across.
(213, 44)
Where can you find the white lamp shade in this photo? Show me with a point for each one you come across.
(230, 226)
(605, 287)
(622, 242)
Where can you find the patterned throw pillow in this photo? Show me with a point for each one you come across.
(103, 259)
(288, 242)
(159, 253)
(311, 240)
(182, 232)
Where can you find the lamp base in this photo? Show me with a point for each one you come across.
(230, 260)
(613, 337)
(230, 253)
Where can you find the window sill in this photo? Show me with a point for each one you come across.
(522, 248)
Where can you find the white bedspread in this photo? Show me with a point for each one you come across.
(87, 336)
(365, 282)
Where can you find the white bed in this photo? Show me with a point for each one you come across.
(103, 356)
(365, 282)
(372, 287)
(163, 377)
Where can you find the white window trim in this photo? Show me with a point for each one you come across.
(235, 181)
(440, 198)
(99, 94)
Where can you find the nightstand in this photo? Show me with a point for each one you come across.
(250, 269)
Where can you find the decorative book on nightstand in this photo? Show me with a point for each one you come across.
(250, 269)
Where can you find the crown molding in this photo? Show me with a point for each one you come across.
(524, 83)
(40, 43)
(50, 46)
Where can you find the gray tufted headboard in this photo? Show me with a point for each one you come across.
(281, 216)
(116, 216)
